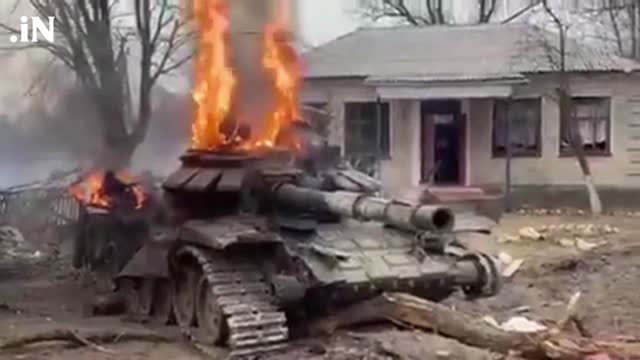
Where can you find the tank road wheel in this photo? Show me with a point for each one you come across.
(211, 320)
(162, 304)
(185, 282)
(145, 296)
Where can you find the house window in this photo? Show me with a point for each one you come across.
(591, 118)
(318, 116)
(366, 128)
(524, 127)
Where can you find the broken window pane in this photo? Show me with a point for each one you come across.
(524, 127)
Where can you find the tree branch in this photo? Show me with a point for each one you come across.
(523, 10)
(88, 43)
(435, 11)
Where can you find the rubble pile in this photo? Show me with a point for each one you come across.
(580, 236)
(14, 247)
(571, 211)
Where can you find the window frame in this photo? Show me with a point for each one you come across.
(384, 149)
(568, 152)
(534, 153)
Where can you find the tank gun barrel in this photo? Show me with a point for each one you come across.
(411, 217)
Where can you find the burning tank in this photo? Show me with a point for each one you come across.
(262, 223)
(257, 236)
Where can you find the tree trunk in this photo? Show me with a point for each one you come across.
(575, 142)
(594, 197)
(117, 156)
(411, 311)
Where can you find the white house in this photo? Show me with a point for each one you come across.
(433, 102)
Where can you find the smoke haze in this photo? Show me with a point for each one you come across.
(57, 130)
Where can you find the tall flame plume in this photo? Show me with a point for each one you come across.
(215, 79)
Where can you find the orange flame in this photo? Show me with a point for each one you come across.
(90, 190)
(281, 61)
(215, 80)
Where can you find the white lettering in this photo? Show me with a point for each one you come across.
(38, 26)
(24, 29)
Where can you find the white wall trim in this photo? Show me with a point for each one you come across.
(445, 92)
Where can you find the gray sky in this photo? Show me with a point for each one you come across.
(323, 20)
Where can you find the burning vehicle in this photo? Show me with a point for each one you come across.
(263, 222)
(113, 221)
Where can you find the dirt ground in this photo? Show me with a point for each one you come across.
(39, 295)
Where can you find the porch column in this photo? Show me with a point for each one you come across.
(414, 139)
(336, 127)
(402, 169)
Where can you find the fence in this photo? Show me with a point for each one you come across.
(37, 210)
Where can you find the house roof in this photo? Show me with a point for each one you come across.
(454, 53)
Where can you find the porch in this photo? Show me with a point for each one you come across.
(432, 149)
(426, 148)
(423, 142)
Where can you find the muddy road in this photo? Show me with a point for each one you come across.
(42, 293)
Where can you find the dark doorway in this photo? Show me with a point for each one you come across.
(443, 135)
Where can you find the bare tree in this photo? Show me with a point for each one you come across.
(93, 40)
(624, 19)
(557, 55)
(435, 11)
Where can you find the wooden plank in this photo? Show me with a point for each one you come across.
(203, 180)
(180, 178)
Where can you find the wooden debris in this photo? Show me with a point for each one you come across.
(512, 268)
(405, 345)
(89, 339)
(419, 313)
(91, 345)
(570, 313)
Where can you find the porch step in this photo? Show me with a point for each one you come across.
(458, 194)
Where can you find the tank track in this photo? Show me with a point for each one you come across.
(255, 324)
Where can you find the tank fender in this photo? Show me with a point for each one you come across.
(330, 254)
(219, 235)
(288, 289)
(151, 260)
(478, 241)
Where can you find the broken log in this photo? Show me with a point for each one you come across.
(420, 313)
